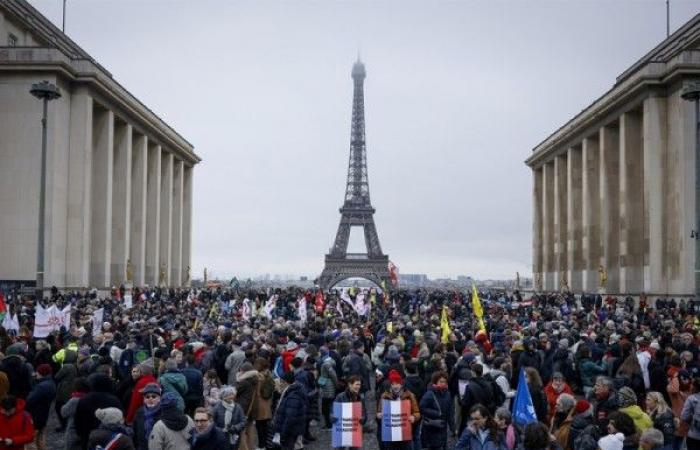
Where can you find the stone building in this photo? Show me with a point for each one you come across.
(614, 187)
(119, 179)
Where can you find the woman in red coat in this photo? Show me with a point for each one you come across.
(555, 388)
(16, 427)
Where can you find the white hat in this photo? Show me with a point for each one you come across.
(611, 442)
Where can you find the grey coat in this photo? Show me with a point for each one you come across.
(328, 371)
(71, 439)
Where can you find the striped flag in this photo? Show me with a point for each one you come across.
(395, 424)
(347, 430)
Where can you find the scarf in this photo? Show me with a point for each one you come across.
(510, 437)
(151, 416)
(77, 394)
(229, 412)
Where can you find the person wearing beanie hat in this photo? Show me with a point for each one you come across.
(395, 392)
(174, 428)
(39, 400)
(228, 415)
(142, 375)
(628, 405)
(147, 415)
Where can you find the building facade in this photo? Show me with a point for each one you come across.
(119, 179)
(614, 188)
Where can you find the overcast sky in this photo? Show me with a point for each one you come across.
(457, 94)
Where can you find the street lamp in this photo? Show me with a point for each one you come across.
(691, 92)
(43, 91)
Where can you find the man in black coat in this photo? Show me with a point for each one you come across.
(17, 372)
(101, 395)
(290, 416)
(206, 435)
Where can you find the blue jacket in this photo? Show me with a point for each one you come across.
(195, 383)
(470, 441)
(39, 400)
(290, 416)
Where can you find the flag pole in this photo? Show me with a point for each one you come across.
(64, 17)
(668, 18)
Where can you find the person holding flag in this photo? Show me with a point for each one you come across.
(478, 310)
(397, 392)
(445, 326)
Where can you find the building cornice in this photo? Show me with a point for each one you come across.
(65, 57)
(674, 58)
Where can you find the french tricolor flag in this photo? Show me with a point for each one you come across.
(395, 424)
(347, 430)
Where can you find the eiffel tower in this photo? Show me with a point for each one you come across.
(357, 210)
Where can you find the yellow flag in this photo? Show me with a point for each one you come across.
(390, 327)
(445, 326)
(214, 309)
(476, 306)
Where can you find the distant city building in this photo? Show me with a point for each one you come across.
(614, 189)
(413, 278)
(119, 179)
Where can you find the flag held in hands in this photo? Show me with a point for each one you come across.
(347, 429)
(523, 409)
(395, 424)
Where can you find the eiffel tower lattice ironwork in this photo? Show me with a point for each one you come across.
(357, 210)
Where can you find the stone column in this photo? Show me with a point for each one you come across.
(101, 228)
(574, 232)
(153, 215)
(609, 205)
(631, 203)
(560, 218)
(548, 226)
(79, 190)
(537, 242)
(166, 208)
(121, 202)
(592, 244)
(176, 256)
(187, 227)
(139, 205)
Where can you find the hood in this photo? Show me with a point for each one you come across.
(100, 383)
(296, 386)
(612, 442)
(246, 375)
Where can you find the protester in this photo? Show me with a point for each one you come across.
(611, 351)
(229, 417)
(437, 413)
(481, 433)
(16, 427)
(207, 436)
(111, 433)
(173, 430)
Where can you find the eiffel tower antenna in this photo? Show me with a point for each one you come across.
(357, 209)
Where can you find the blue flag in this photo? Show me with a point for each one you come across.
(523, 409)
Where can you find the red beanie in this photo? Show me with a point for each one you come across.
(395, 377)
(44, 370)
(582, 406)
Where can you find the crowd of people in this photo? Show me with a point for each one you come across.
(226, 369)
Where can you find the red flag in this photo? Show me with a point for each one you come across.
(3, 306)
(393, 273)
(319, 302)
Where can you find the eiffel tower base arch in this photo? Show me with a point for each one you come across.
(338, 269)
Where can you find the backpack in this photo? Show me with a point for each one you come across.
(497, 395)
(267, 387)
(278, 368)
(112, 444)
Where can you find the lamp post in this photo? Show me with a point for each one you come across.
(43, 91)
(691, 92)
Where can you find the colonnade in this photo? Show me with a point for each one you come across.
(614, 209)
(130, 203)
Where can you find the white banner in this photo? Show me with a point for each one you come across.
(50, 319)
(270, 305)
(128, 301)
(246, 311)
(302, 310)
(10, 322)
(97, 320)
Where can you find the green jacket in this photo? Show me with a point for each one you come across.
(175, 382)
